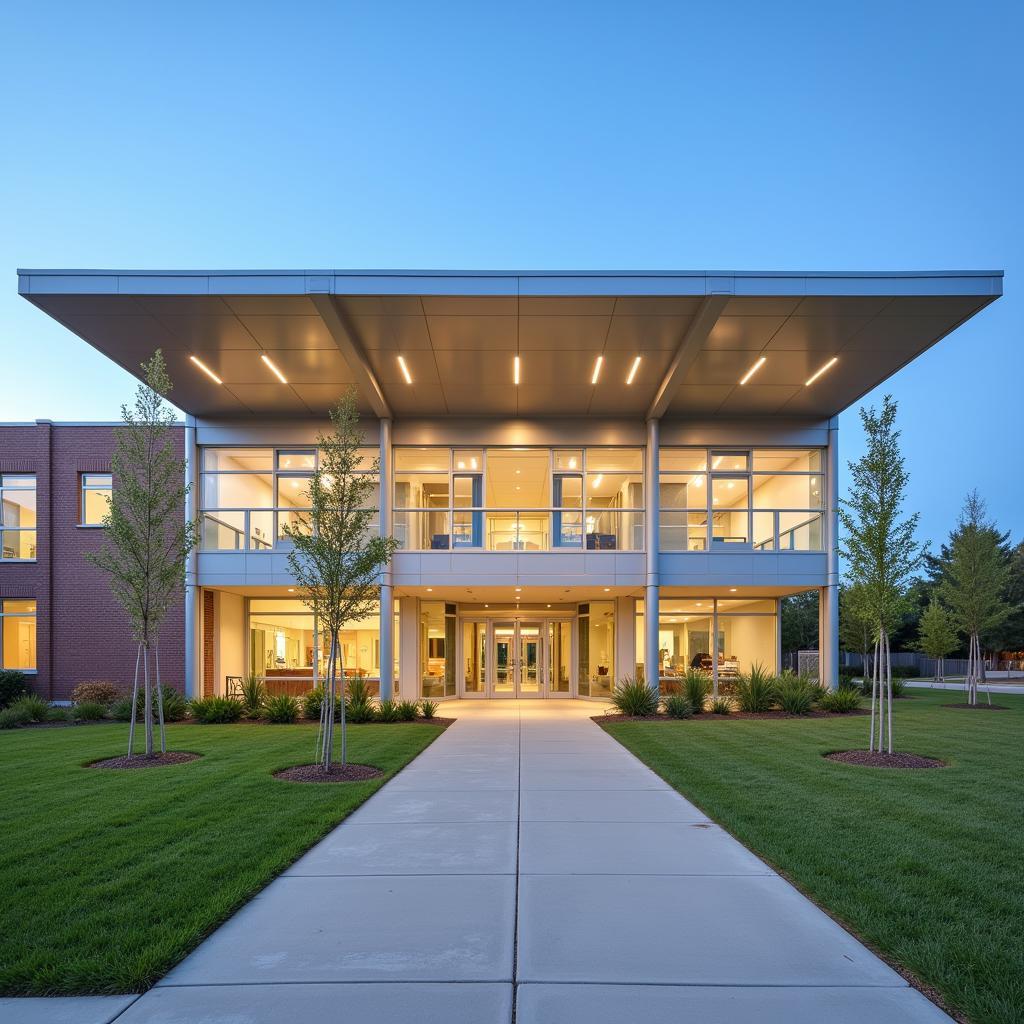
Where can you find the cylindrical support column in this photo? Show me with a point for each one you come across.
(652, 660)
(828, 638)
(387, 608)
(193, 594)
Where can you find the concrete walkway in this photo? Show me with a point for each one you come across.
(527, 864)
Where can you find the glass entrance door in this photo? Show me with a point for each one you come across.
(520, 660)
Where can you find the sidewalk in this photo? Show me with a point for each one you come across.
(527, 856)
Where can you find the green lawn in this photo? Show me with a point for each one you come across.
(925, 866)
(107, 879)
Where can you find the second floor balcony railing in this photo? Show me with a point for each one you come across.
(524, 530)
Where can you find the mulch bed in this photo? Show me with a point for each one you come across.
(708, 716)
(879, 759)
(979, 707)
(337, 773)
(141, 761)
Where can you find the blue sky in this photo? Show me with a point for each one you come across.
(551, 136)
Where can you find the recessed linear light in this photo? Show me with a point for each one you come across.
(597, 370)
(430, 590)
(209, 373)
(405, 370)
(732, 590)
(814, 376)
(632, 370)
(515, 370)
(273, 369)
(750, 373)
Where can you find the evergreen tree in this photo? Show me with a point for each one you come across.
(974, 580)
(937, 636)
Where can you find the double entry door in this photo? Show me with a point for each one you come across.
(517, 658)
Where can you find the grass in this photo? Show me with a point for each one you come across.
(107, 879)
(924, 866)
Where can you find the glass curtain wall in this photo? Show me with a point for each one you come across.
(596, 649)
(519, 499)
(288, 651)
(766, 499)
(437, 630)
(746, 635)
(249, 495)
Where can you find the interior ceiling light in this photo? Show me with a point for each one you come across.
(817, 373)
(732, 590)
(717, 462)
(515, 370)
(405, 369)
(209, 373)
(273, 369)
(597, 480)
(572, 462)
(632, 370)
(597, 370)
(750, 373)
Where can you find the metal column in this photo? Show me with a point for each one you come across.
(651, 612)
(387, 610)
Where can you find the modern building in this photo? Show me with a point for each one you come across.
(591, 475)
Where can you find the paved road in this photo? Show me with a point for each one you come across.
(527, 862)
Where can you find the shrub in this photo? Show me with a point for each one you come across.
(387, 711)
(175, 706)
(696, 687)
(428, 708)
(216, 710)
(633, 697)
(60, 715)
(677, 706)
(121, 710)
(253, 695)
(841, 701)
(14, 718)
(90, 711)
(100, 691)
(13, 684)
(281, 710)
(721, 706)
(795, 695)
(407, 710)
(37, 709)
(359, 703)
(755, 690)
(313, 704)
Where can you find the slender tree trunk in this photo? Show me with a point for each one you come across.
(344, 737)
(874, 693)
(331, 702)
(135, 702)
(147, 712)
(982, 673)
(888, 675)
(160, 698)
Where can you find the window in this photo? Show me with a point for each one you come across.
(97, 489)
(249, 495)
(596, 648)
(17, 517)
(437, 648)
(18, 626)
(769, 499)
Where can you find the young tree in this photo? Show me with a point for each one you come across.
(335, 558)
(973, 583)
(879, 546)
(147, 538)
(937, 636)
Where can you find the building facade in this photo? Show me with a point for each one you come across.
(590, 476)
(59, 620)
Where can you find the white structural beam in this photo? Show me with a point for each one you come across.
(193, 593)
(353, 353)
(652, 656)
(828, 619)
(689, 347)
(387, 610)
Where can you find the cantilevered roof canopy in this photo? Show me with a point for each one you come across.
(696, 335)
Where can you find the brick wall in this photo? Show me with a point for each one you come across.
(209, 669)
(81, 631)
